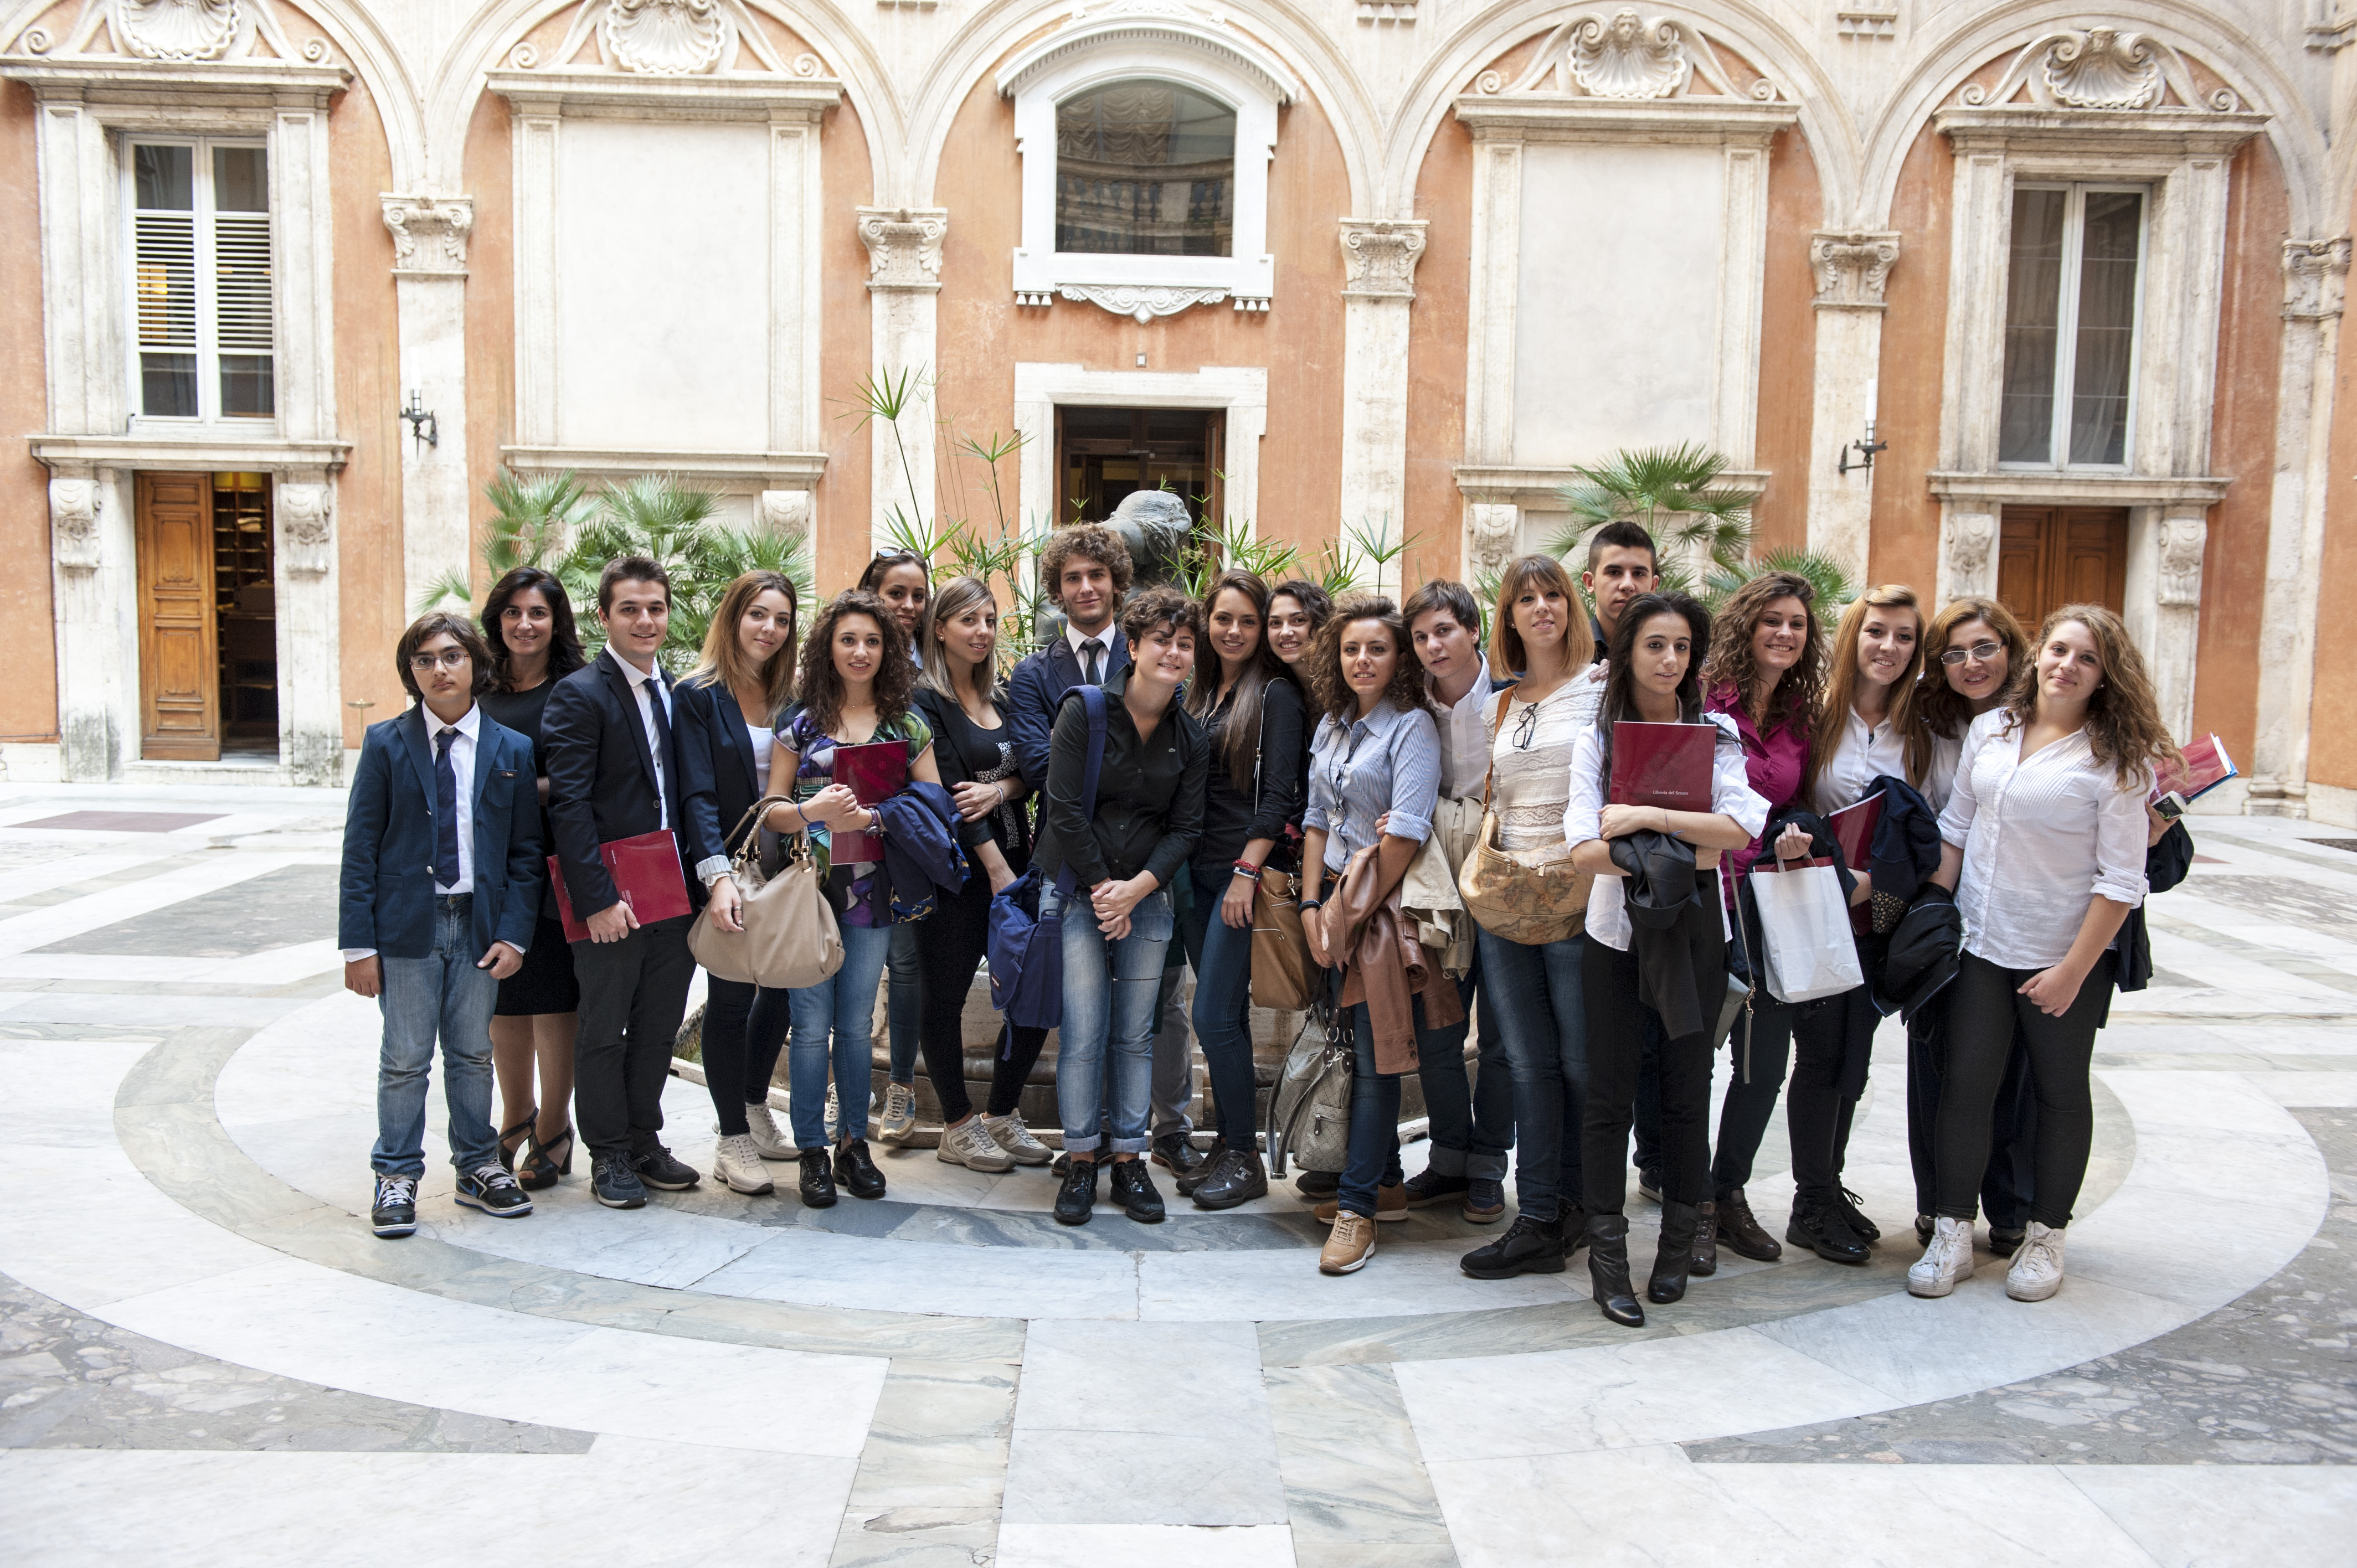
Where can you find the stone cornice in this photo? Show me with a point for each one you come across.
(241, 84)
(1555, 117)
(259, 454)
(633, 97)
(773, 470)
(2171, 133)
(2045, 486)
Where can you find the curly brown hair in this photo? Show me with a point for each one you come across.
(1090, 541)
(1796, 694)
(822, 685)
(2124, 725)
(1944, 711)
(1335, 698)
(1158, 607)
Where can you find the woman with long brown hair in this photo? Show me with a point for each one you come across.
(2043, 842)
(903, 581)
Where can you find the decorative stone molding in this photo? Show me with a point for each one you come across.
(174, 30)
(1379, 257)
(2183, 536)
(1852, 267)
(147, 36)
(1402, 12)
(305, 528)
(784, 511)
(2316, 276)
(1967, 545)
(2101, 67)
(1870, 25)
(904, 246)
(74, 504)
(1041, 388)
(665, 37)
(1624, 57)
(1493, 531)
(429, 233)
(1143, 303)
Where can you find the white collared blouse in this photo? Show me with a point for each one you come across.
(1730, 794)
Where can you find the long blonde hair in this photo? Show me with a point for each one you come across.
(2123, 726)
(723, 662)
(1841, 687)
(954, 597)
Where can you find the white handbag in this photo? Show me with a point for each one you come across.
(1808, 950)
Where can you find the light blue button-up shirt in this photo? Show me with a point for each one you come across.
(1386, 761)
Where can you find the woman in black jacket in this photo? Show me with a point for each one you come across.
(727, 710)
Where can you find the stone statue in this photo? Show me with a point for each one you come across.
(1155, 525)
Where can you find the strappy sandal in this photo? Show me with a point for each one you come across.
(508, 1152)
(540, 1171)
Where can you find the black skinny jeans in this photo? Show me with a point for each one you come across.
(1984, 1009)
(745, 1027)
(1832, 1040)
(950, 946)
(1615, 1033)
(1766, 1027)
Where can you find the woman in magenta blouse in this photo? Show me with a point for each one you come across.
(1767, 671)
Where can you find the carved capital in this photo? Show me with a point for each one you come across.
(1496, 528)
(2316, 273)
(73, 522)
(1379, 258)
(1969, 542)
(784, 511)
(429, 233)
(904, 246)
(1852, 267)
(306, 527)
(2183, 539)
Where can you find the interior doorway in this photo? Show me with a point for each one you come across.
(2052, 556)
(1105, 453)
(207, 617)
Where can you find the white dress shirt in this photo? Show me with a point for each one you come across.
(650, 691)
(1730, 794)
(1079, 645)
(1465, 734)
(2043, 838)
(1864, 753)
(462, 762)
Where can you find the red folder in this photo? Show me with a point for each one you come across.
(1662, 765)
(645, 870)
(1854, 828)
(875, 773)
(2207, 766)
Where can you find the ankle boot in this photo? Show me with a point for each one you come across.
(1706, 1241)
(1608, 1269)
(1673, 1257)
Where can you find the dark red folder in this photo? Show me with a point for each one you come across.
(645, 870)
(1854, 828)
(1662, 765)
(875, 773)
(2207, 766)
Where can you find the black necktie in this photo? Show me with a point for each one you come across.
(446, 809)
(1090, 670)
(663, 722)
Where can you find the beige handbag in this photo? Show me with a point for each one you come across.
(1522, 902)
(790, 939)
(1284, 976)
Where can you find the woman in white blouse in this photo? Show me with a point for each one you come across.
(1653, 676)
(2043, 841)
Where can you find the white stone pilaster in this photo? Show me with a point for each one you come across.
(904, 277)
(1379, 259)
(94, 574)
(311, 715)
(429, 272)
(1852, 269)
(2164, 600)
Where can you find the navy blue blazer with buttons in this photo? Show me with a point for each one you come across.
(601, 780)
(715, 764)
(1033, 695)
(386, 900)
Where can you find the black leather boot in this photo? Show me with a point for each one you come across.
(1608, 1269)
(1705, 1243)
(1742, 1232)
(1673, 1257)
(1530, 1246)
(1236, 1178)
(1820, 1225)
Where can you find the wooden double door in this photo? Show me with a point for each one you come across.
(2052, 556)
(207, 620)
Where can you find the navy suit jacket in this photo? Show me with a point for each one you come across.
(387, 896)
(1032, 696)
(601, 780)
(716, 766)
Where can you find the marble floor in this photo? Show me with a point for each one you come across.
(206, 1359)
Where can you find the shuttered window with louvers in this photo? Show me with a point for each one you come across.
(200, 278)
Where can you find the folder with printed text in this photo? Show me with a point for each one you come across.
(645, 870)
(1662, 765)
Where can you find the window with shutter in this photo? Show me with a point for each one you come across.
(200, 276)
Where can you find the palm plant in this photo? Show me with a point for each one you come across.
(1832, 584)
(1675, 493)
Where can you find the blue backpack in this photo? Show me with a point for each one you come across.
(1025, 951)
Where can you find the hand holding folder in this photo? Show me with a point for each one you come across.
(874, 773)
(1666, 765)
(646, 873)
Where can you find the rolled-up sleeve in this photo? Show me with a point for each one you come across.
(2120, 823)
(1416, 778)
(1583, 817)
(1318, 814)
(1731, 794)
(1956, 816)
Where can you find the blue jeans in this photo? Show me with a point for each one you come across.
(1113, 990)
(1472, 1118)
(844, 1004)
(904, 1004)
(441, 994)
(1223, 958)
(1534, 994)
(1374, 1157)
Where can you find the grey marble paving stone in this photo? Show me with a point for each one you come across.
(1140, 1477)
(71, 1381)
(276, 909)
(2269, 1380)
(1356, 1491)
(917, 1538)
(937, 1444)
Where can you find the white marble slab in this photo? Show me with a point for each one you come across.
(818, 1268)
(2209, 1515)
(1143, 1546)
(1266, 1285)
(2296, 1089)
(39, 927)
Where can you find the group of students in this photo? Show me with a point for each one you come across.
(1357, 747)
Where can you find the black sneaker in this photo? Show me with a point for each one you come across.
(1925, 1225)
(855, 1172)
(1864, 1227)
(1317, 1186)
(1188, 1181)
(614, 1184)
(1428, 1186)
(1133, 1188)
(1178, 1154)
(491, 1190)
(1485, 1200)
(818, 1180)
(1234, 1179)
(1819, 1224)
(1078, 1196)
(660, 1171)
(1529, 1247)
(393, 1212)
(2004, 1243)
(1648, 1186)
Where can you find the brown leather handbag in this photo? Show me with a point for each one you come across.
(1529, 903)
(789, 939)
(1284, 976)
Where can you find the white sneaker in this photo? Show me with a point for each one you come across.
(2036, 1270)
(737, 1160)
(899, 1118)
(969, 1144)
(1016, 1140)
(1948, 1259)
(772, 1144)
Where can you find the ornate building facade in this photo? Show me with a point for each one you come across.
(2026, 297)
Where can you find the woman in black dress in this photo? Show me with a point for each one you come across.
(528, 621)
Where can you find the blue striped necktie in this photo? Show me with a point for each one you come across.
(446, 809)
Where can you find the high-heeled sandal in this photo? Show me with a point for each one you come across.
(540, 1172)
(508, 1154)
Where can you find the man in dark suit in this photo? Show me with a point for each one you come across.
(438, 896)
(613, 773)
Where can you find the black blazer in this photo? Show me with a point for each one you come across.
(715, 765)
(1034, 694)
(601, 780)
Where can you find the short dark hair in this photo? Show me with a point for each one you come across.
(1624, 535)
(565, 655)
(433, 624)
(1090, 541)
(1158, 607)
(1451, 599)
(629, 569)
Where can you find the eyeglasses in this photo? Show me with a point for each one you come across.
(1979, 653)
(1526, 728)
(450, 658)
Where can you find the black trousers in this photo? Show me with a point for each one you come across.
(2011, 1179)
(633, 994)
(949, 945)
(1616, 1017)
(745, 1027)
(1765, 1030)
(1985, 1010)
(1832, 1041)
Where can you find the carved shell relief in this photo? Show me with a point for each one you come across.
(173, 32)
(1624, 56)
(2101, 67)
(665, 37)
(176, 29)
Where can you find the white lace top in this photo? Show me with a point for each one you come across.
(1530, 758)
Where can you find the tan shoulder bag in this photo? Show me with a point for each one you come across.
(1533, 904)
(790, 939)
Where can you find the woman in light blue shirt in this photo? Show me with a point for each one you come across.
(1376, 753)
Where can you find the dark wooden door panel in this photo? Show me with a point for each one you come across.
(2052, 556)
(179, 695)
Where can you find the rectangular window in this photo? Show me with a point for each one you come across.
(2073, 278)
(200, 273)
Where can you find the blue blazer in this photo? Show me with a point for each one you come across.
(1033, 696)
(387, 896)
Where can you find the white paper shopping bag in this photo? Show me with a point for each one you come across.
(1804, 931)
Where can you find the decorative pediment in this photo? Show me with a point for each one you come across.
(1122, 26)
(1624, 57)
(664, 39)
(171, 32)
(2101, 67)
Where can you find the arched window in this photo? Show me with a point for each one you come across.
(1146, 168)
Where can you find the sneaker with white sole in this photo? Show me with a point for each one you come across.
(1948, 1259)
(969, 1144)
(1012, 1135)
(2036, 1270)
(899, 1118)
(737, 1160)
(1348, 1245)
(393, 1212)
(762, 1128)
(492, 1188)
